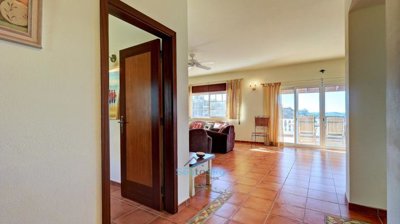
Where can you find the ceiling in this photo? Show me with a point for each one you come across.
(252, 34)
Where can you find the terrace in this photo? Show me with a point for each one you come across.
(308, 131)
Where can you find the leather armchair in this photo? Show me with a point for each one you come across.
(199, 141)
(223, 141)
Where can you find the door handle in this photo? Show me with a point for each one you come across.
(122, 122)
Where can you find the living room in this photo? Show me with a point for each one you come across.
(326, 104)
(296, 76)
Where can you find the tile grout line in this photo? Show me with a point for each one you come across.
(379, 217)
(279, 192)
(230, 218)
(308, 190)
(334, 185)
(125, 214)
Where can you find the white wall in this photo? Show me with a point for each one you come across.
(367, 107)
(115, 151)
(50, 120)
(173, 14)
(252, 101)
(50, 167)
(393, 108)
(121, 35)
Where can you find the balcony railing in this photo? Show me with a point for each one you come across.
(309, 131)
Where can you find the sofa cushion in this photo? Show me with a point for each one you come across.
(218, 125)
(197, 125)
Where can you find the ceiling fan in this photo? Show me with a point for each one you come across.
(192, 63)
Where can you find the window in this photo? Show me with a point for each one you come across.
(209, 104)
(209, 101)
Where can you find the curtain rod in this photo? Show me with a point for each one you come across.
(210, 83)
(305, 80)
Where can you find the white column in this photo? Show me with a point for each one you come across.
(367, 106)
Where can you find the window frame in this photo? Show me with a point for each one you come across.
(209, 104)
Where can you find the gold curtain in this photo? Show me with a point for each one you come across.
(234, 98)
(272, 110)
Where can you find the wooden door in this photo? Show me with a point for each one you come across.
(141, 131)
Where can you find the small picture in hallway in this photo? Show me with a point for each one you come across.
(113, 95)
(20, 21)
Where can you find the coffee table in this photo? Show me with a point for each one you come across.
(199, 166)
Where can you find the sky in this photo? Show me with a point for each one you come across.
(334, 101)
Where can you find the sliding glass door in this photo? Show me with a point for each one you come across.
(335, 116)
(288, 113)
(314, 116)
(308, 116)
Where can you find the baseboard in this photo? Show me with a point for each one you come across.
(249, 142)
(368, 210)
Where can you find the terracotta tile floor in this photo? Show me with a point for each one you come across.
(269, 185)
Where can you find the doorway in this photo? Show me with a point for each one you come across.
(314, 116)
(167, 127)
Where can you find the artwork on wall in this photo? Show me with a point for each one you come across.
(21, 22)
(113, 95)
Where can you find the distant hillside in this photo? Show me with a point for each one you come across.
(288, 113)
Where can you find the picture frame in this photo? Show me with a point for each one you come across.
(113, 95)
(21, 21)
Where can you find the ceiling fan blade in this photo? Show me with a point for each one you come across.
(192, 62)
(207, 63)
(202, 66)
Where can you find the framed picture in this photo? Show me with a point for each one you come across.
(113, 95)
(21, 21)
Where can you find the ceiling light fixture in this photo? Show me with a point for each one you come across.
(322, 71)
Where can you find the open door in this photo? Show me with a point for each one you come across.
(141, 131)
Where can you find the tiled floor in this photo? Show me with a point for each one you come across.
(270, 186)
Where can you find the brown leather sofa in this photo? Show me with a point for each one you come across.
(199, 141)
(223, 140)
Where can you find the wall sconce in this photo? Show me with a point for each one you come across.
(113, 58)
(253, 86)
(114, 64)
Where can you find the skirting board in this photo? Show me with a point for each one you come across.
(250, 142)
